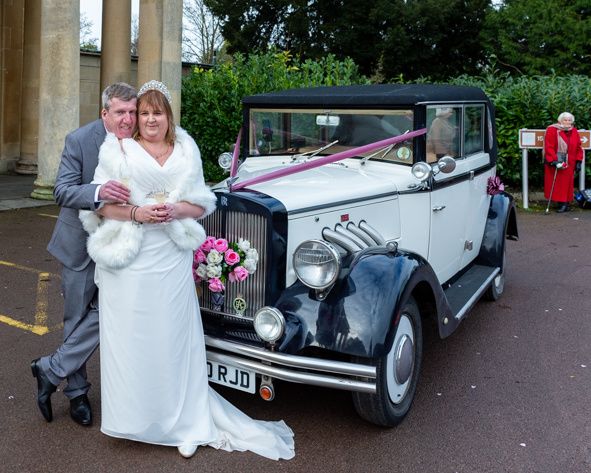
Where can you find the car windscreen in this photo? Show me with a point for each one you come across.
(324, 132)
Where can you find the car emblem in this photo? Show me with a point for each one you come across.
(239, 305)
(224, 201)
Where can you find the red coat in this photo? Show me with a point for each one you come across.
(564, 186)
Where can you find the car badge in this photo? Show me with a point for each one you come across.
(239, 305)
(403, 153)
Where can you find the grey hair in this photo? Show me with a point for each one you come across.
(118, 90)
(564, 115)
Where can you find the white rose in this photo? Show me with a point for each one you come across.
(214, 271)
(252, 254)
(214, 257)
(244, 245)
(250, 265)
(202, 271)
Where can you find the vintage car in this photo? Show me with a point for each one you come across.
(376, 214)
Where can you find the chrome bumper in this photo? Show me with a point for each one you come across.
(296, 369)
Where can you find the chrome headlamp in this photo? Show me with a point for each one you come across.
(317, 264)
(225, 161)
(269, 324)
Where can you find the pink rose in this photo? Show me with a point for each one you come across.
(221, 244)
(199, 257)
(208, 244)
(216, 285)
(239, 274)
(231, 257)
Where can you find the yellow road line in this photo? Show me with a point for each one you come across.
(25, 268)
(36, 329)
(41, 305)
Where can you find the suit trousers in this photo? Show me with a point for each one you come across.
(81, 332)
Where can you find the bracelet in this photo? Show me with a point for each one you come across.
(132, 213)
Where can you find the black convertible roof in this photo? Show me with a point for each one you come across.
(368, 95)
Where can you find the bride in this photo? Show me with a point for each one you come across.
(154, 385)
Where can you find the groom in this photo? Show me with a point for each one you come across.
(73, 192)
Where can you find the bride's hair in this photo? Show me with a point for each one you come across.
(157, 101)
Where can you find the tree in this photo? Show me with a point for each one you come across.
(541, 36)
(430, 38)
(202, 33)
(86, 41)
(412, 38)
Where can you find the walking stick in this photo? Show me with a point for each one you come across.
(551, 190)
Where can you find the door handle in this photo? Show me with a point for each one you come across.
(438, 208)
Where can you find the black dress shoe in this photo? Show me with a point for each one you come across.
(563, 208)
(80, 410)
(45, 389)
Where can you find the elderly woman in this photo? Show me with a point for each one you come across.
(563, 155)
(154, 385)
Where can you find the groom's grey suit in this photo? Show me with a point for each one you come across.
(73, 192)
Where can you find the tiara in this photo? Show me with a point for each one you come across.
(155, 85)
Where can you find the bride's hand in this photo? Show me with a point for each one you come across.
(155, 213)
(171, 212)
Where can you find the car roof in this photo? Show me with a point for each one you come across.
(368, 95)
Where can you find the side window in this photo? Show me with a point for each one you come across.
(473, 129)
(443, 136)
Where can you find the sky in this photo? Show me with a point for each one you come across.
(93, 10)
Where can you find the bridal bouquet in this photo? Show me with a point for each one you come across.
(218, 261)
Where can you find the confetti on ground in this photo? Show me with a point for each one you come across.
(583, 366)
(473, 386)
(10, 397)
(515, 336)
(522, 445)
(439, 394)
(559, 309)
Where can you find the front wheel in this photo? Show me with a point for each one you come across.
(397, 373)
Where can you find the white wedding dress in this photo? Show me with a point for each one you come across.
(154, 385)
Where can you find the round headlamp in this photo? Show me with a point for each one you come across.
(269, 324)
(317, 264)
(225, 161)
(421, 170)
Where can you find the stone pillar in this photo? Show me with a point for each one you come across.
(27, 164)
(159, 46)
(116, 42)
(59, 87)
(11, 67)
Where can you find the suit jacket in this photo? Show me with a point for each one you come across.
(73, 191)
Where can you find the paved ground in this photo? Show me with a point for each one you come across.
(508, 392)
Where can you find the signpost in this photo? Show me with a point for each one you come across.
(534, 139)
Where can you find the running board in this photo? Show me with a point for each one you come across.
(465, 292)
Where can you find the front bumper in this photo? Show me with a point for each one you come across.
(296, 369)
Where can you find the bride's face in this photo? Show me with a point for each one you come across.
(152, 123)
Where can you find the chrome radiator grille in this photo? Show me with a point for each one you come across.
(251, 227)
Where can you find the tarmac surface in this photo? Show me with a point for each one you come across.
(508, 392)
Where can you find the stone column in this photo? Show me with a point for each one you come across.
(116, 42)
(59, 87)
(11, 67)
(159, 46)
(27, 164)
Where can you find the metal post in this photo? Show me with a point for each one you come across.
(524, 177)
(582, 173)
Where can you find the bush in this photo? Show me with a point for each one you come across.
(535, 103)
(211, 107)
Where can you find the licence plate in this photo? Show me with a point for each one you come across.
(227, 375)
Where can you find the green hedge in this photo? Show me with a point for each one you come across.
(211, 109)
(531, 102)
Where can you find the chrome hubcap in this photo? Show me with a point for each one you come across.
(400, 361)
